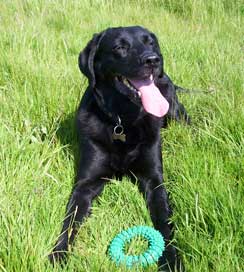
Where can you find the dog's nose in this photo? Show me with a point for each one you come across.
(151, 59)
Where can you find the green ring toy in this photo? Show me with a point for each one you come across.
(150, 256)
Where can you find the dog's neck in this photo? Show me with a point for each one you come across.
(114, 105)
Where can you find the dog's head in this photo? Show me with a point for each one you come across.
(126, 52)
(128, 58)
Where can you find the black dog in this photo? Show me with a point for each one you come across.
(128, 100)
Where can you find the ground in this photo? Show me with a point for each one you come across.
(40, 88)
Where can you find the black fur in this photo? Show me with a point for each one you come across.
(113, 53)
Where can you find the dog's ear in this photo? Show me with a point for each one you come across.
(87, 56)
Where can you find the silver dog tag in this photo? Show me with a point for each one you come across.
(118, 133)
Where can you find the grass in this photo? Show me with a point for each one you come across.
(40, 88)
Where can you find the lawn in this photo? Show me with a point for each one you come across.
(40, 88)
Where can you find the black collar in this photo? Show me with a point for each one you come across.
(118, 130)
(101, 104)
(133, 97)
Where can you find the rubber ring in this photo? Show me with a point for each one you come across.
(156, 246)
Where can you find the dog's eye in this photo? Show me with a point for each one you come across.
(150, 42)
(120, 50)
(147, 40)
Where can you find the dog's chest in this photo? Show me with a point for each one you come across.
(127, 137)
(126, 150)
(123, 155)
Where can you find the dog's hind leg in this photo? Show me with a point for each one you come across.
(176, 109)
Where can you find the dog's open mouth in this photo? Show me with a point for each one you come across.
(152, 100)
(127, 83)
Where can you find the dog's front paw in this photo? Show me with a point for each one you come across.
(58, 257)
(170, 261)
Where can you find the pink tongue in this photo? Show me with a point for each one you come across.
(152, 100)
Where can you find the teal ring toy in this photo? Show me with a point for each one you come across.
(150, 256)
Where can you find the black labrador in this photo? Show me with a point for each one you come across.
(128, 100)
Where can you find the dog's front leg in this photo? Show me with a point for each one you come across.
(91, 180)
(157, 203)
(78, 207)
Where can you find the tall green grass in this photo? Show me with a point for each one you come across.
(40, 88)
